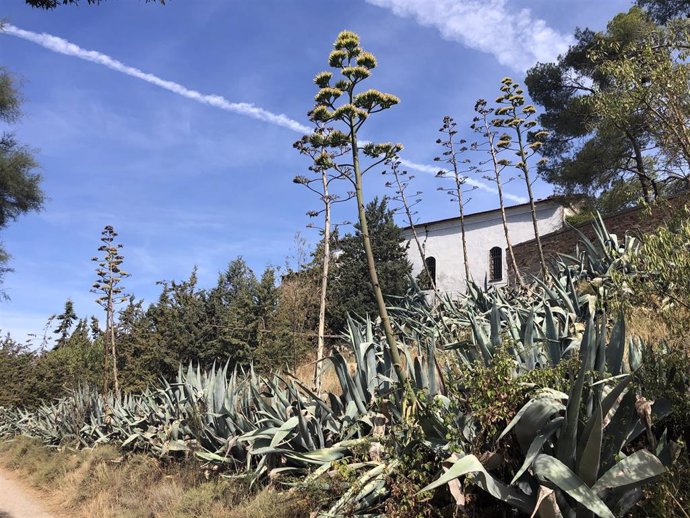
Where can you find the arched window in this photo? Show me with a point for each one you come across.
(496, 264)
(431, 267)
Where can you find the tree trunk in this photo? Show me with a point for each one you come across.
(318, 369)
(645, 181)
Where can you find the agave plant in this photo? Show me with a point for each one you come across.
(581, 450)
(577, 446)
(597, 259)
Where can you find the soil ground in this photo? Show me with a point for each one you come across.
(18, 501)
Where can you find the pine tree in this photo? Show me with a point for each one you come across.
(589, 152)
(231, 309)
(180, 328)
(20, 190)
(95, 328)
(65, 321)
(272, 345)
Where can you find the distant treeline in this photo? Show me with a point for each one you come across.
(268, 321)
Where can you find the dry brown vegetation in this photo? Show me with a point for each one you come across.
(100, 483)
(329, 378)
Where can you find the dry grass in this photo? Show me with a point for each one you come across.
(329, 380)
(646, 323)
(99, 483)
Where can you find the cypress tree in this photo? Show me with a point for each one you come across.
(351, 288)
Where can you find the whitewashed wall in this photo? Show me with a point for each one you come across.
(442, 240)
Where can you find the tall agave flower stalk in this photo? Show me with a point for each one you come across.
(354, 66)
(401, 182)
(111, 293)
(481, 125)
(451, 156)
(514, 115)
(323, 146)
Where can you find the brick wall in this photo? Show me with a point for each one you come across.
(637, 221)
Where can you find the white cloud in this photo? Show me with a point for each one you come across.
(62, 46)
(423, 168)
(515, 37)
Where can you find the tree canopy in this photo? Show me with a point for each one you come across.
(587, 152)
(665, 10)
(20, 190)
(617, 106)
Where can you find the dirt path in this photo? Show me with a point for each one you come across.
(18, 501)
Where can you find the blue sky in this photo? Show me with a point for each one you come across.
(188, 183)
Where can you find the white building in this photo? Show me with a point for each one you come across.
(486, 243)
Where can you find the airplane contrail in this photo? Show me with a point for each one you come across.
(62, 46)
(471, 181)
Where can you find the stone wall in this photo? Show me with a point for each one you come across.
(636, 221)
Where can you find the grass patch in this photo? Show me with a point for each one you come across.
(100, 483)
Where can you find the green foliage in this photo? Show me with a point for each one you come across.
(418, 463)
(666, 377)
(28, 377)
(656, 272)
(423, 281)
(587, 152)
(492, 393)
(240, 320)
(664, 10)
(78, 361)
(19, 183)
(15, 373)
(649, 76)
(350, 290)
(66, 320)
